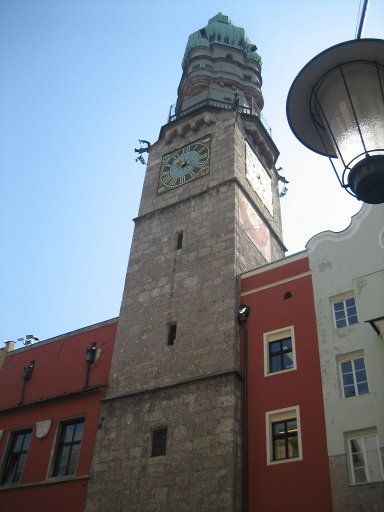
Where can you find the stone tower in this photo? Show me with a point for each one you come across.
(170, 428)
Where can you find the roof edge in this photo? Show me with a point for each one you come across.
(337, 236)
(274, 264)
(69, 334)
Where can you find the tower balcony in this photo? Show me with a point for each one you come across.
(218, 104)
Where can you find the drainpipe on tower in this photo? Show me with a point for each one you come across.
(242, 316)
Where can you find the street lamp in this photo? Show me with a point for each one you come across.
(27, 375)
(243, 314)
(335, 107)
(90, 358)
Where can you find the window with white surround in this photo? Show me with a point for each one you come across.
(279, 351)
(365, 461)
(283, 435)
(344, 311)
(353, 375)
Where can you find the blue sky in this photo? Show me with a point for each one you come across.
(80, 82)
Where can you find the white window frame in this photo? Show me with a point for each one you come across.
(344, 358)
(271, 336)
(287, 413)
(362, 436)
(343, 298)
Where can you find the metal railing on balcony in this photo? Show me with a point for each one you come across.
(209, 102)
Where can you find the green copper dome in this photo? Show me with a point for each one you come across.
(221, 31)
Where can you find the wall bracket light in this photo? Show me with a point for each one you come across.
(377, 325)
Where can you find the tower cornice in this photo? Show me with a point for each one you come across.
(191, 120)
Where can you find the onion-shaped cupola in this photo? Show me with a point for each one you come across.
(221, 66)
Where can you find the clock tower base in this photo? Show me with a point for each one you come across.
(202, 467)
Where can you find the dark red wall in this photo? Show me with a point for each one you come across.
(59, 370)
(59, 366)
(295, 485)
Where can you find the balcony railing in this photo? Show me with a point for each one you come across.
(209, 102)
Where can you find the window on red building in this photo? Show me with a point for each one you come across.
(68, 447)
(283, 435)
(279, 351)
(285, 439)
(16, 456)
(280, 355)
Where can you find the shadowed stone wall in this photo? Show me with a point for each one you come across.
(203, 446)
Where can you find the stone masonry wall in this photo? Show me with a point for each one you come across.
(197, 472)
(196, 287)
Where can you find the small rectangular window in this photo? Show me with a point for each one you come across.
(283, 435)
(284, 439)
(179, 240)
(365, 462)
(159, 442)
(345, 312)
(353, 377)
(172, 328)
(279, 351)
(16, 456)
(280, 355)
(68, 447)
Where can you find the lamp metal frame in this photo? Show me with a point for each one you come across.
(317, 112)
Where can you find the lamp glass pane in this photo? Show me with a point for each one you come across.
(364, 88)
(366, 96)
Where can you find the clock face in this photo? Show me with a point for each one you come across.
(258, 177)
(185, 164)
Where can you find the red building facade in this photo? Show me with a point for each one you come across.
(49, 413)
(288, 462)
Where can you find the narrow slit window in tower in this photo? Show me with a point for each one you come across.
(159, 442)
(179, 240)
(172, 333)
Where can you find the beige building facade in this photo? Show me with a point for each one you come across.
(348, 278)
